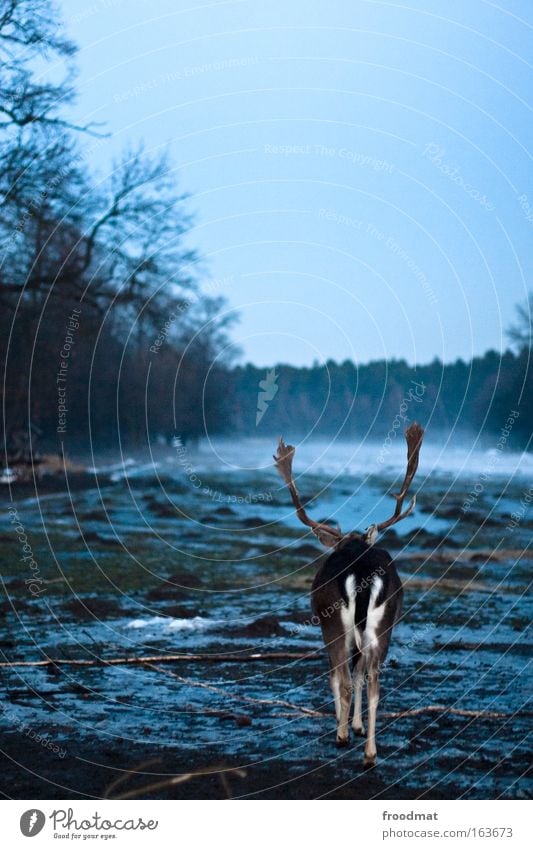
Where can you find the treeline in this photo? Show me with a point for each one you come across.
(343, 398)
(93, 270)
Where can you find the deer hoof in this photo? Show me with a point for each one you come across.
(369, 762)
(359, 730)
(342, 742)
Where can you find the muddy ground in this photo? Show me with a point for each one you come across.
(146, 566)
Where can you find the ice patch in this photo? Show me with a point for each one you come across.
(135, 471)
(113, 467)
(167, 623)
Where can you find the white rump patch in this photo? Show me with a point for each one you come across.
(351, 633)
(374, 615)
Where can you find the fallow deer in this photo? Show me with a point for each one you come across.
(357, 597)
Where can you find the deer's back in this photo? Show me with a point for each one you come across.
(360, 573)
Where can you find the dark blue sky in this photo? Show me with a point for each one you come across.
(359, 170)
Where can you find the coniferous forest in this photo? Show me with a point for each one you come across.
(343, 398)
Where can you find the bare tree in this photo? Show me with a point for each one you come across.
(521, 333)
(28, 30)
(118, 247)
(133, 250)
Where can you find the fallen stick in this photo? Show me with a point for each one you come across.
(150, 660)
(164, 658)
(320, 713)
(247, 699)
(457, 711)
(221, 771)
(426, 709)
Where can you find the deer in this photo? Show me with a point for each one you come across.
(357, 597)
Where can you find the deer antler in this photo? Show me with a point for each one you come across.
(327, 535)
(331, 537)
(413, 436)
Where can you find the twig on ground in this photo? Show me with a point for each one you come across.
(166, 658)
(221, 771)
(247, 699)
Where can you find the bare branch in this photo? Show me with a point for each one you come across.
(521, 332)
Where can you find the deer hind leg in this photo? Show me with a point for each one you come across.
(358, 680)
(373, 701)
(341, 687)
